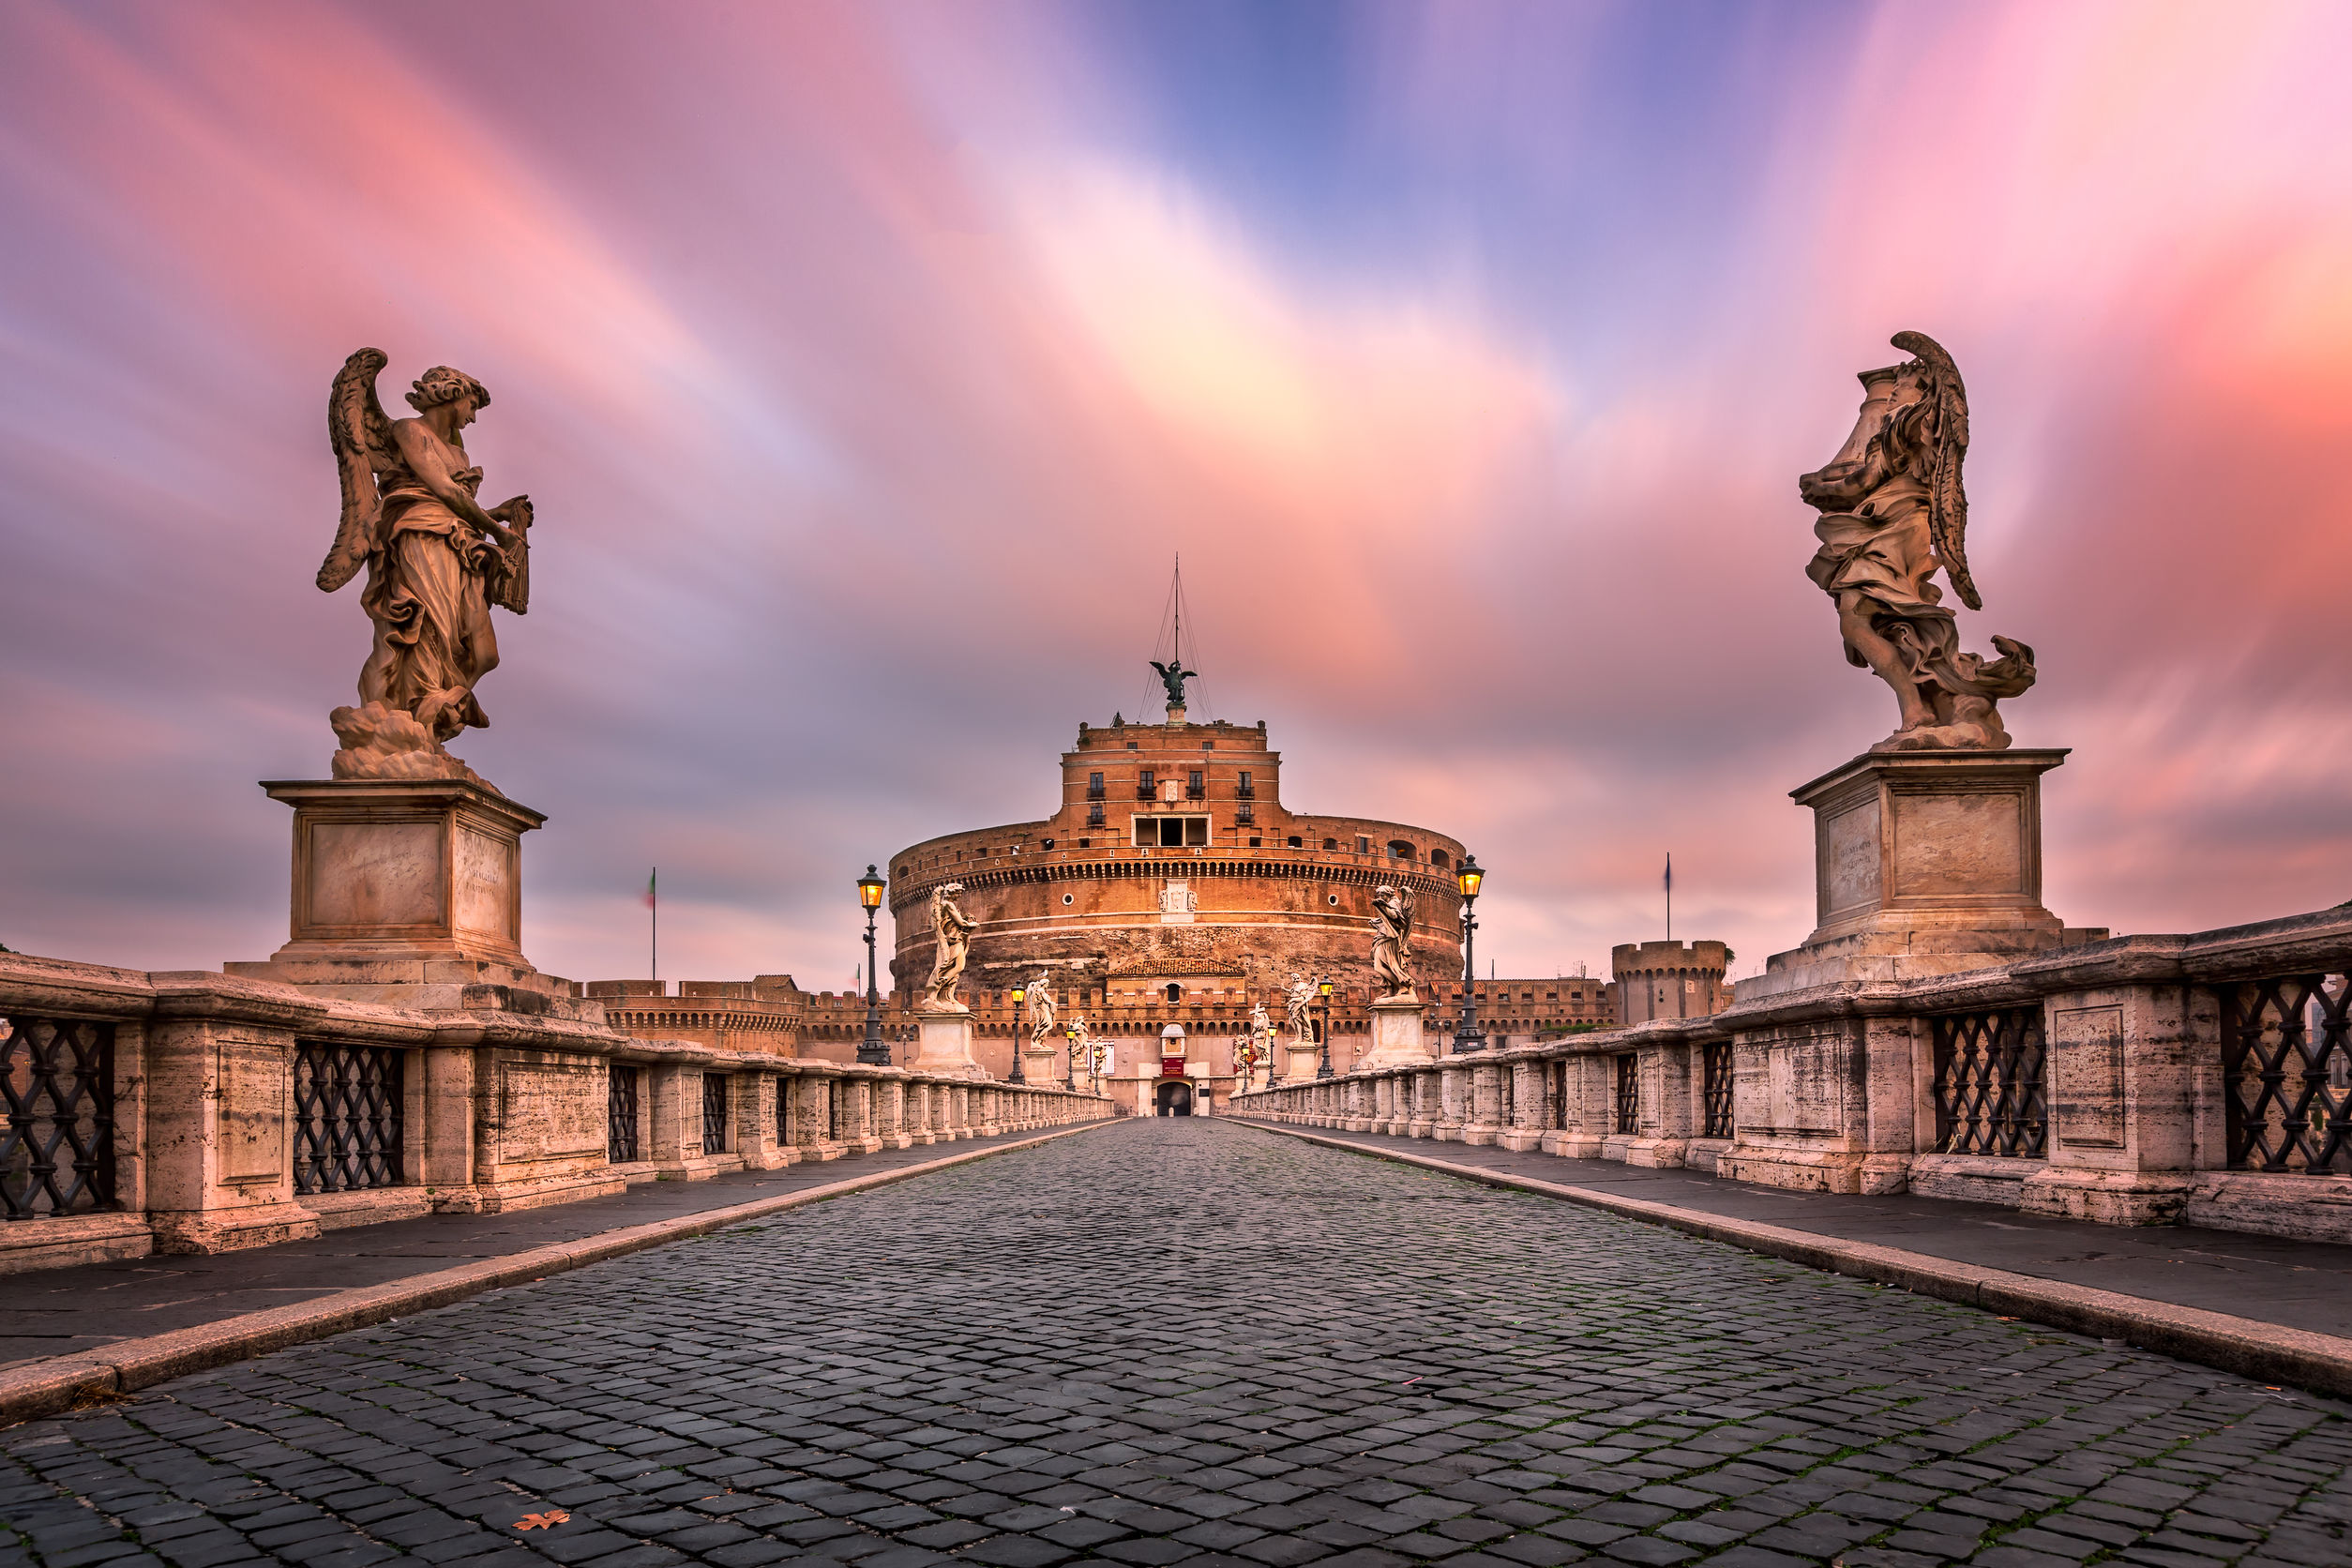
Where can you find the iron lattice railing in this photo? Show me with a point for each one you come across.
(347, 1117)
(1714, 1088)
(714, 1113)
(1628, 1092)
(620, 1117)
(2286, 1070)
(1991, 1093)
(57, 1150)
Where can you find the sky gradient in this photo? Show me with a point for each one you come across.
(868, 364)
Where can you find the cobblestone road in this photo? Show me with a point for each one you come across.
(1185, 1341)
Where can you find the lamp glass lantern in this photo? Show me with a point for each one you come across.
(869, 897)
(1470, 877)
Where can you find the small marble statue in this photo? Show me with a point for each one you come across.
(1297, 997)
(1259, 1024)
(1392, 939)
(954, 928)
(1892, 512)
(1040, 1000)
(437, 561)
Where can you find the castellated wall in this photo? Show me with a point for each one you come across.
(1172, 861)
(1670, 980)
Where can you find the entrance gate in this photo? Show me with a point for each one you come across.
(1175, 1099)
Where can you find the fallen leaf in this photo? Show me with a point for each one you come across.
(548, 1520)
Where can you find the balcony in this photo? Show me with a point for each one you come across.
(1145, 789)
(1246, 792)
(1094, 815)
(1246, 815)
(1096, 791)
(1195, 792)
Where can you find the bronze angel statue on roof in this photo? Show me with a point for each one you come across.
(1892, 513)
(436, 559)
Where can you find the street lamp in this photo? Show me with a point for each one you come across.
(1069, 1058)
(1018, 1076)
(1466, 1035)
(871, 1051)
(1323, 990)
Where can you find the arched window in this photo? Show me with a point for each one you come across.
(1436, 857)
(1175, 991)
(1400, 850)
(1297, 842)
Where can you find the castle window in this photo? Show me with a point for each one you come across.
(1196, 785)
(1436, 857)
(1045, 843)
(1248, 790)
(1256, 842)
(1175, 991)
(1330, 843)
(1089, 843)
(1400, 850)
(1208, 745)
(1364, 845)
(1296, 842)
(1093, 785)
(1146, 784)
(1133, 745)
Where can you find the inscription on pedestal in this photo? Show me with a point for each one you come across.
(1850, 860)
(2087, 1074)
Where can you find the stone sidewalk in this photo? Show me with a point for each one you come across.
(59, 1312)
(2296, 1284)
(1186, 1342)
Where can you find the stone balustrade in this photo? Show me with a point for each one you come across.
(2143, 1079)
(197, 1112)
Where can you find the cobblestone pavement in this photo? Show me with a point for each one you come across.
(1187, 1341)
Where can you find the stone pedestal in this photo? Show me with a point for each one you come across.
(944, 1044)
(1039, 1066)
(409, 893)
(1305, 1058)
(1396, 1038)
(1926, 863)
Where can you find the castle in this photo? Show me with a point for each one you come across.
(1171, 889)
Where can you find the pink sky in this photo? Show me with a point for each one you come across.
(868, 364)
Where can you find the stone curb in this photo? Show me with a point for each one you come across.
(58, 1383)
(2267, 1352)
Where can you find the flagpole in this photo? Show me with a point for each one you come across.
(1669, 892)
(653, 905)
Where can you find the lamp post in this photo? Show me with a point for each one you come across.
(871, 1051)
(1016, 1075)
(1069, 1057)
(1324, 991)
(1468, 1036)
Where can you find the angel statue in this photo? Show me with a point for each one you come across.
(1260, 1025)
(1297, 997)
(1040, 1000)
(436, 559)
(954, 929)
(1173, 675)
(1892, 512)
(1391, 939)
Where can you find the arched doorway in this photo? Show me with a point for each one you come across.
(1175, 1099)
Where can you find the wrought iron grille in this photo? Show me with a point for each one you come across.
(1716, 1088)
(714, 1113)
(1559, 1093)
(2286, 1065)
(831, 1089)
(57, 1151)
(347, 1117)
(1991, 1098)
(784, 1112)
(620, 1117)
(1628, 1092)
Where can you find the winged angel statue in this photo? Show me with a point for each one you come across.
(437, 561)
(1893, 512)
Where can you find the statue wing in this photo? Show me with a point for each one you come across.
(1947, 499)
(362, 438)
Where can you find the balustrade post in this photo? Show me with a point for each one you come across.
(1453, 1091)
(1525, 1129)
(1483, 1127)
